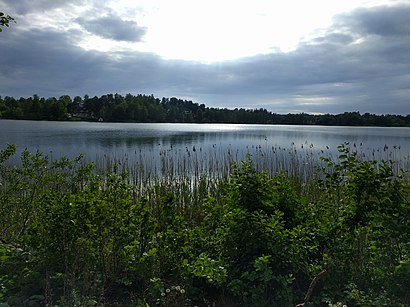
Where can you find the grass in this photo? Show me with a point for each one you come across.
(252, 227)
(302, 162)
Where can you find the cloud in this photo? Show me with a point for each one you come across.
(385, 21)
(23, 7)
(51, 65)
(113, 27)
(354, 65)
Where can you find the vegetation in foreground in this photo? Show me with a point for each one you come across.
(73, 235)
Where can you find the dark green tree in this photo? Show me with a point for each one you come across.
(5, 20)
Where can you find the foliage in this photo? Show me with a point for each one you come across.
(147, 108)
(5, 20)
(368, 229)
(72, 235)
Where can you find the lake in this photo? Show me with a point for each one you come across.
(209, 146)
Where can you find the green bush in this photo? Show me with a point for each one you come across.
(72, 235)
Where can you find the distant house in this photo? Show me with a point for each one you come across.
(81, 115)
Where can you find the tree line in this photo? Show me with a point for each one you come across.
(148, 109)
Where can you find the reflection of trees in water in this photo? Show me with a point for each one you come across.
(147, 141)
(207, 148)
(179, 140)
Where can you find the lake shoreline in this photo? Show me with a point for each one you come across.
(148, 109)
(95, 120)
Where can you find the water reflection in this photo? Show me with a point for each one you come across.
(209, 144)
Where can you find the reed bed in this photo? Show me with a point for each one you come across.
(192, 173)
(302, 161)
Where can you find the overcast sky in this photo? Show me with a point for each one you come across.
(316, 56)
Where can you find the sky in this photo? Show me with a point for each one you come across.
(293, 56)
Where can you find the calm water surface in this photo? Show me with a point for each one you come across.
(97, 140)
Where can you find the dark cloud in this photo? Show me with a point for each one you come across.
(23, 7)
(355, 65)
(49, 64)
(113, 27)
(382, 20)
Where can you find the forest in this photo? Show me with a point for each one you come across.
(148, 109)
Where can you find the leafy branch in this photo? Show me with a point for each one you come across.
(5, 20)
